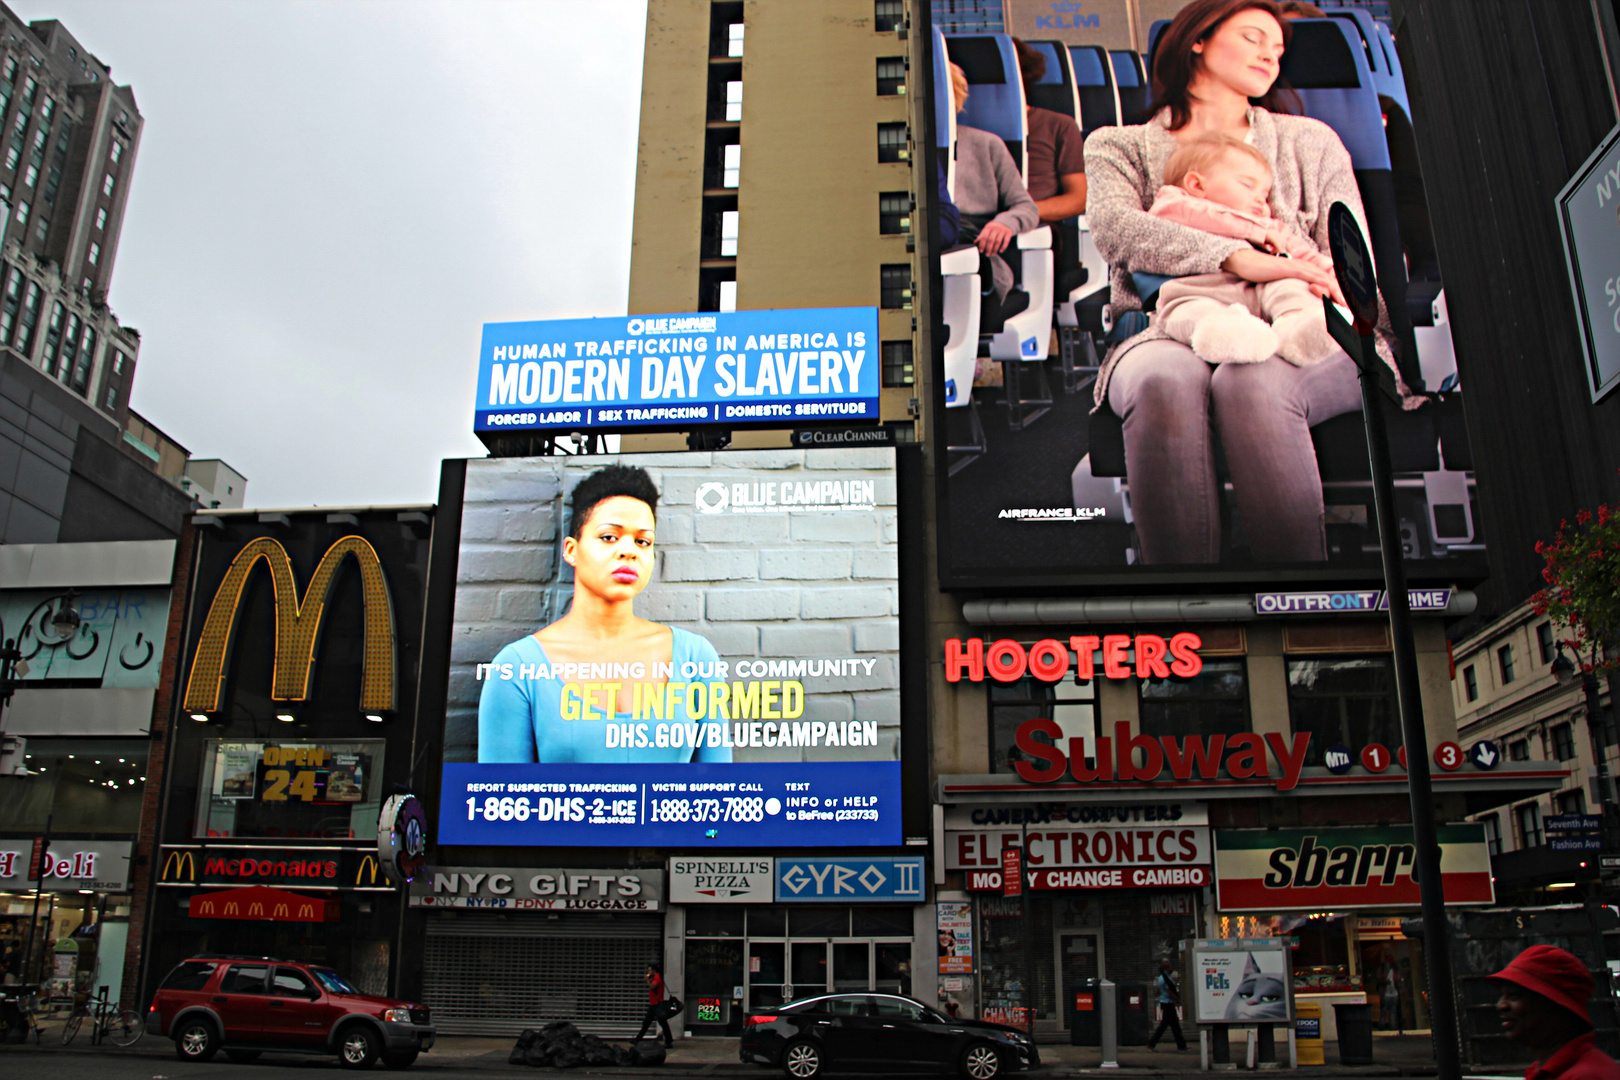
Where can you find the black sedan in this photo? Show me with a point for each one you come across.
(880, 1032)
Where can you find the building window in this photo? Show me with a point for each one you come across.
(118, 362)
(117, 151)
(897, 369)
(95, 254)
(728, 295)
(30, 317)
(891, 76)
(734, 39)
(1073, 706)
(30, 88)
(1527, 825)
(1544, 642)
(893, 142)
(46, 110)
(101, 218)
(1519, 750)
(1563, 741)
(1571, 802)
(112, 398)
(11, 70)
(107, 185)
(888, 15)
(30, 176)
(87, 355)
(894, 286)
(731, 165)
(13, 154)
(734, 100)
(1213, 702)
(1504, 663)
(1344, 702)
(728, 232)
(1493, 833)
(42, 227)
(1470, 683)
(894, 212)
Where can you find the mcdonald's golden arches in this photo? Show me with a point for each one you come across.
(298, 625)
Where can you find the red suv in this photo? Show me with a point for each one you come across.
(247, 1005)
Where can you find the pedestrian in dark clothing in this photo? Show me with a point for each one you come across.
(1543, 1007)
(655, 1005)
(1169, 998)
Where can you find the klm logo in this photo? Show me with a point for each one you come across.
(1066, 16)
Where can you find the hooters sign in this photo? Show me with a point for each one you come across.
(1119, 656)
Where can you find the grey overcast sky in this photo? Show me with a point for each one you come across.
(331, 198)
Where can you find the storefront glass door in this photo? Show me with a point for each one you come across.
(852, 967)
(766, 968)
(1079, 959)
(808, 976)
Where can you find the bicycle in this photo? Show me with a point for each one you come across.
(121, 1027)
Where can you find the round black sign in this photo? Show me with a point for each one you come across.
(1353, 265)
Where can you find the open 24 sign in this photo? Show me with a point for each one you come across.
(311, 774)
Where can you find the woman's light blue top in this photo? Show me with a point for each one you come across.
(520, 720)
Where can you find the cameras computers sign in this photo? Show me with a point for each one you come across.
(735, 369)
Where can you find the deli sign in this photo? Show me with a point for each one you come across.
(1333, 869)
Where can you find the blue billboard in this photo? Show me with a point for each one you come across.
(734, 368)
(676, 650)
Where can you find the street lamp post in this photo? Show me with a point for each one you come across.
(1565, 671)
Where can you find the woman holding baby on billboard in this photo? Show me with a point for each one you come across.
(544, 718)
(1227, 193)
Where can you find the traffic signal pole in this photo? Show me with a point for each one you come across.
(1353, 266)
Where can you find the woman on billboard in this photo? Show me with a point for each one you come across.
(553, 707)
(1217, 70)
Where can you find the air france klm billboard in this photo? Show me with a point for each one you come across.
(733, 369)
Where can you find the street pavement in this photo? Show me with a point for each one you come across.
(455, 1056)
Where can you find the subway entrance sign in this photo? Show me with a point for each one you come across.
(779, 368)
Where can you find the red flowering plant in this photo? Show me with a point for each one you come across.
(1583, 587)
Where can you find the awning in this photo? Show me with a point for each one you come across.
(260, 902)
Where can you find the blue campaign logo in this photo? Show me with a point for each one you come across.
(1338, 759)
(1484, 754)
(899, 880)
(733, 368)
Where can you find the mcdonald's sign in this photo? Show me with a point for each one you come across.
(179, 867)
(341, 869)
(261, 903)
(298, 626)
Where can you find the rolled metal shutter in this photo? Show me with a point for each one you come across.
(486, 975)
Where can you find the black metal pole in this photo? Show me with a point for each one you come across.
(39, 888)
(1436, 930)
(1596, 728)
(1024, 906)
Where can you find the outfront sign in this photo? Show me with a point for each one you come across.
(70, 865)
(735, 368)
(1335, 869)
(1344, 601)
(898, 880)
(504, 888)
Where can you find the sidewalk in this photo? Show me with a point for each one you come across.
(1395, 1055)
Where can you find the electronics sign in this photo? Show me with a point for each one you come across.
(724, 673)
(648, 371)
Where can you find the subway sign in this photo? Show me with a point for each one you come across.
(1332, 869)
(735, 368)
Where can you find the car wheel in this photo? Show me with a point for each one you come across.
(802, 1060)
(195, 1040)
(242, 1057)
(358, 1047)
(981, 1062)
(399, 1059)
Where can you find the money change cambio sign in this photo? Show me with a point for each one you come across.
(648, 371)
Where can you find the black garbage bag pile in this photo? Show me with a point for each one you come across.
(562, 1046)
